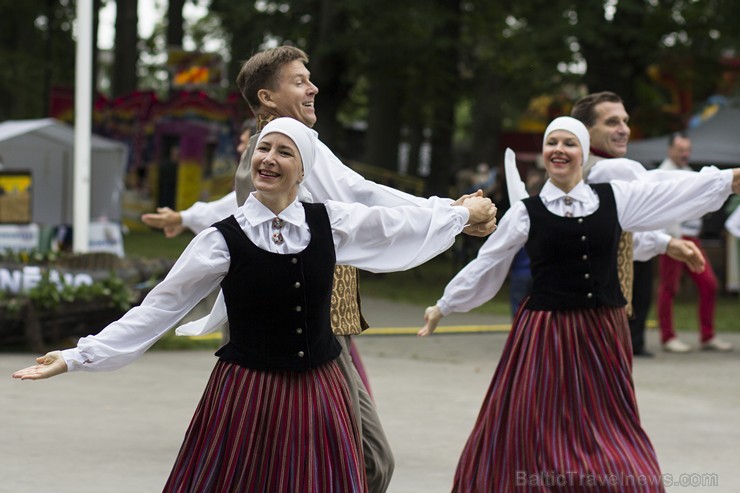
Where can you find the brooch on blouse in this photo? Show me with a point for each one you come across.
(277, 236)
(568, 201)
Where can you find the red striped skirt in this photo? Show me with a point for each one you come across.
(560, 413)
(259, 431)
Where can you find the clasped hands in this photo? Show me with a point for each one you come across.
(482, 221)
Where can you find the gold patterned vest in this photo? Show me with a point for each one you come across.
(346, 313)
(625, 255)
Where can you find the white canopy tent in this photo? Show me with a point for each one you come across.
(714, 142)
(45, 148)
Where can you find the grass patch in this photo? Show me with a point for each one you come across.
(424, 285)
(152, 243)
(686, 314)
(170, 342)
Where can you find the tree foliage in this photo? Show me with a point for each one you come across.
(451, 74)
(36, 47)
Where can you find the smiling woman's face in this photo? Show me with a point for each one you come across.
(563, 159)
(276, 165)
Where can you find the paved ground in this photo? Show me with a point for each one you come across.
(120, 431)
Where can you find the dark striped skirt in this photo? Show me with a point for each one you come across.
(279, 431)
(560, 413)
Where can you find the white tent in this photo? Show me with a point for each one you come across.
(45, 148)
(716, 141)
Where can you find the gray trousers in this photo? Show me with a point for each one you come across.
(379, 461)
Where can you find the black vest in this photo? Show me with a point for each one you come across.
(574, 259)
(278, 305)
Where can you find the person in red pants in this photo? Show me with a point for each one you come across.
(679, 152)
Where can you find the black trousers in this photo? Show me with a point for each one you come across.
(642, 296)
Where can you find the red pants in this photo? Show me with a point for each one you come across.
(706, 283)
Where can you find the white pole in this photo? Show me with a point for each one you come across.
(83, 116)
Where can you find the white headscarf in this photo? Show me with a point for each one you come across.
(305, 140)
(573, 126)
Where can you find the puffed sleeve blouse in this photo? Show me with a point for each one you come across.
(641, 206)
(378, 239)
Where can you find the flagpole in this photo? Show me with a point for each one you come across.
(83, 118)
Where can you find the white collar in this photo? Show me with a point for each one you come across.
(257, 213)
(550, 193)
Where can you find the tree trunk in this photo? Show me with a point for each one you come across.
(441, 167)
(328, 66)
(415, 140)
(446, 86)
(383, 122)
(126, 50)
(175, 31)
(486, 117)
(97, 5)
(46, 86)
(611, 49)
(175, 23)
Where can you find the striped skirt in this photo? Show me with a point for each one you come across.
(560, 413)
(282, 432)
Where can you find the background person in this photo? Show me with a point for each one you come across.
(520, 274)
(732, 225)
(169, 220)
(679, 154)
(607, 121)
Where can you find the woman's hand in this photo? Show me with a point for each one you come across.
(478, 193)
(482, 212)
(49, 365)
(480, 229)
(432, 316)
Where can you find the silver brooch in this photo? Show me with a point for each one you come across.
(277, 236)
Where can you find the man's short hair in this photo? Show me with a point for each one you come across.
(262, 69)
(250, 124)
(585, 108)
(677, 135)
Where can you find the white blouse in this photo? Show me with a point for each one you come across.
(646, 244)
(641, 206)
(732, 224)
(377, 239)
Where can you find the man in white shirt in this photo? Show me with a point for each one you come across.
(277, 83)
(607, 121)
(679, 153)
(732, 225)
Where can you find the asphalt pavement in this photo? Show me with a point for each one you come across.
(120, 431)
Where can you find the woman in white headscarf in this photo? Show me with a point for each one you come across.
(560, 413)
(276, 414)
